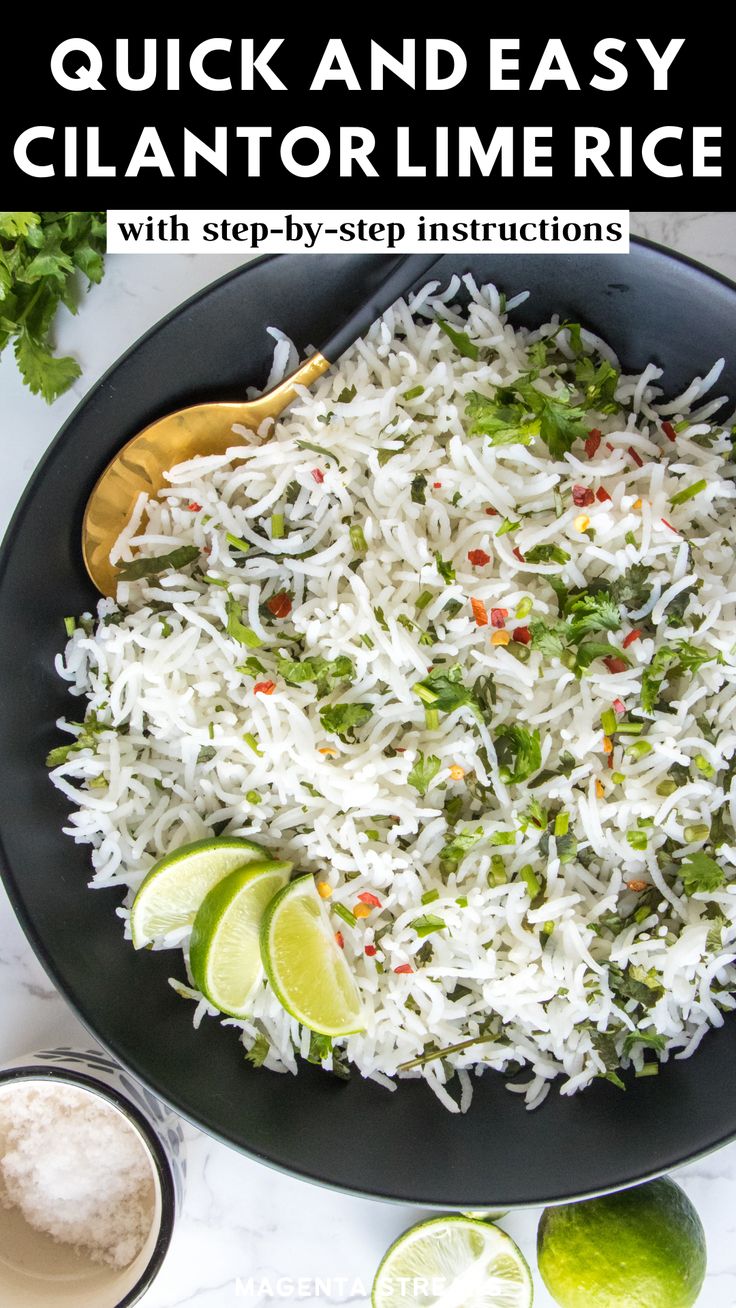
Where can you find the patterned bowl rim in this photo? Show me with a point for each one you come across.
(156, 1151)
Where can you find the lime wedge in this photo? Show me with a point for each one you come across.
(453, 1262)
(224, 953)
(174, 888)
(304, 963)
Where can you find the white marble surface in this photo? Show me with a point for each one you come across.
(240, 1219)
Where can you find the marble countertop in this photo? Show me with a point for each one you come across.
(240, 1219)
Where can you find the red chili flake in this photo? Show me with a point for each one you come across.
(592, 442)
(492, 513)
(194, 507)
(615, 665)
(437, 485)
(638, 460)
(669, 524)
(401, 749)
(609, 760)
(610, 447)
(478, 558)
(367, 898)
(498, 617)
(370, 950)
(264, 688)
(340, 939)
(582, 496)
(480, 612)
(669, 431)
(632, 636)
(518, 554)
(318, 475)
(405, 967)
(619, 706)
(522, 634)
(279, 605)
(602, 495)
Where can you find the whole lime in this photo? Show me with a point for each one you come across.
(640, 1248)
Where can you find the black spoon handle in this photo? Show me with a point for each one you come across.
(403, 274)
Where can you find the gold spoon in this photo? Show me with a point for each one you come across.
(207, 429)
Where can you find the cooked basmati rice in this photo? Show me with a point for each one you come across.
(537, 986)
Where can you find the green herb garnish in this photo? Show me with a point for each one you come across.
(154, 566)
(343, 719)
(462, 342)
(423, 772)
(40, 254)
(518, 751)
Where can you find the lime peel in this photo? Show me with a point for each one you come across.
(173, 889)
(304, 964)
(224, 952)
(453, 1262)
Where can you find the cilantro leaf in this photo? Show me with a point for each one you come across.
(591, 650)
(427, 923)
(44, 373)
(604, 1044)
(518, 751)
(236, 627)
(342, 719)
(418, 489)
(446, 570)
(671, 661)
(700, 873)
(258, 1052)
(650, 1040)
(17, 223)
(176, 559)
(503, 422)
(460, 340)
(461, 844)
(592, 612)
(547, 554)
(598, 379)
(634, 982)
(550, 638)
(423, 772)
(561, 423)
(325, 674)
(444, 689)
(633, 588)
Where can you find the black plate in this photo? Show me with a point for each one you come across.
(404, 1146)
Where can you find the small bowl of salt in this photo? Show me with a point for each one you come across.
(88, 1182)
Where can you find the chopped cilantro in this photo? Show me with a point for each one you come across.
(462, 342)
(343, 719)
(700, 874)
(325, 674)
(423, 772)
(519, 752)
(154, 566)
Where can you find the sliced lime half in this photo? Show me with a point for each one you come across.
(174, 888)
(304, 963)
(224, 952)
(453, 1262)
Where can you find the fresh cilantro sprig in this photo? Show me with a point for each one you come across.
(40, 255)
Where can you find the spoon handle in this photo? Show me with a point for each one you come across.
(403, 274)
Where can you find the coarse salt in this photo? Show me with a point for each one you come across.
(76, 1170)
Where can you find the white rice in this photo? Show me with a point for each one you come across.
(531, 984)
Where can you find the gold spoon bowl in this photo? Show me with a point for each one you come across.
(201, 429)
(142, 462)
